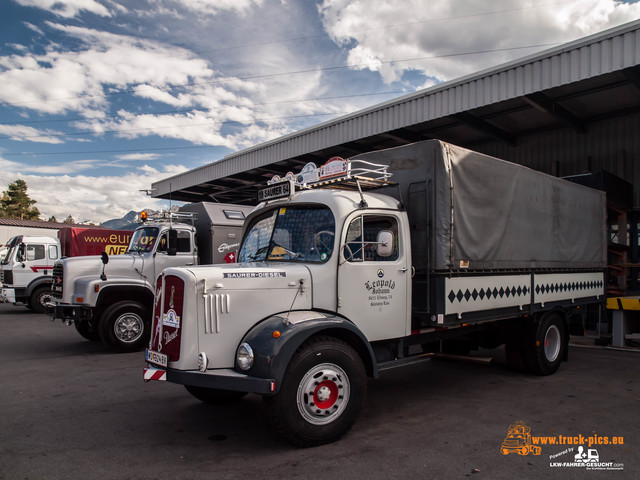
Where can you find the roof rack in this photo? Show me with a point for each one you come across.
(340, 173)
(165, 216)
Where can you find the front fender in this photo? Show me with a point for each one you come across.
(44, 280)
(273, 351)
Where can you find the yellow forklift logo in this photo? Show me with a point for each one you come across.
(519, 441)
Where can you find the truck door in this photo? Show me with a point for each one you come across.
(31, 262)
(185, 254)
(374, 279)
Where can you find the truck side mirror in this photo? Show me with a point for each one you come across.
(385, 246)
(173, 242)
(105, 259)
(20, 254)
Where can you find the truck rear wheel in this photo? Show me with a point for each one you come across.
(322, 393)
(39, 298)
(214, 396)
(545, 345)
(124, 326)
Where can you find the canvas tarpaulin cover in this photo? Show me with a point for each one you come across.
(473, 211)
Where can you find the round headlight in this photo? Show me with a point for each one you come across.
(244, 357)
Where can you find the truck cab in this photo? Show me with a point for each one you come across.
(27, 271)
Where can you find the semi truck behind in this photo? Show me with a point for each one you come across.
(375, 262)
(27, 268)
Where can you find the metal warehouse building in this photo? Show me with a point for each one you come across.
(566, 111)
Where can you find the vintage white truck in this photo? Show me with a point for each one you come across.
(110, 298)
(336, 282)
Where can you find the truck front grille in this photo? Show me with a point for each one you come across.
(58, 274)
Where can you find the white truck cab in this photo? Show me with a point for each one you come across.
(26, 271)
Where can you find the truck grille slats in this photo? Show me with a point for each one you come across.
(56, 288)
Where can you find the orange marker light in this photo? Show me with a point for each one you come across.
(276, 334)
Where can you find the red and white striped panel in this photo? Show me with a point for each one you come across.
(154, 374)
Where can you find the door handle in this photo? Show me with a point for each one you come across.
(404, 269)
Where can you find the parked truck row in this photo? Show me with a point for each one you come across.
(26, 270)
(110, 298)
(372, 263)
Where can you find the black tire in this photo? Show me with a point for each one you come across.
(125, 326)
(214, 396)
(545, 345)
(86, 330)
(39, 297)
(322, 393)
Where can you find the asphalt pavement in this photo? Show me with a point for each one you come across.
(71, 409)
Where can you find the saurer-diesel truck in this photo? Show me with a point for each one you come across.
(367, 264)
(111, 298)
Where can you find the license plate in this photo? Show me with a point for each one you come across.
(157, 358)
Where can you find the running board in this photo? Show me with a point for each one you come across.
(403, 362)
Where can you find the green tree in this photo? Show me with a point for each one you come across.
(69, 219)
(15, 202)
(53, 219)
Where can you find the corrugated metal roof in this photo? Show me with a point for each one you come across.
(16, 222)
(587, 58)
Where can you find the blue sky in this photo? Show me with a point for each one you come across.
(100, 98)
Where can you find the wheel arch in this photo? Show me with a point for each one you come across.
(274, 352)
(37, 283)
(134, 293)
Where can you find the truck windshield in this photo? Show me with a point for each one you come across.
(7, 256)
(303, 234)
(12, 246)
(143, 240)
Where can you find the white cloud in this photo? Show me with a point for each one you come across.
(139, 156)
(405, 29)
(212, 7)
(60, 169)
(23, 133)
(68, 8)
(96, 198)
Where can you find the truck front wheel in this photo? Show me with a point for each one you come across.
(86, 330)
(39, 298)
(322, 393)
(124, 326)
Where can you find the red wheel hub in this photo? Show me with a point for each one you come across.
(325, 394)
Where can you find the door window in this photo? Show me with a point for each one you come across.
(35, 252)
(361, 243)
